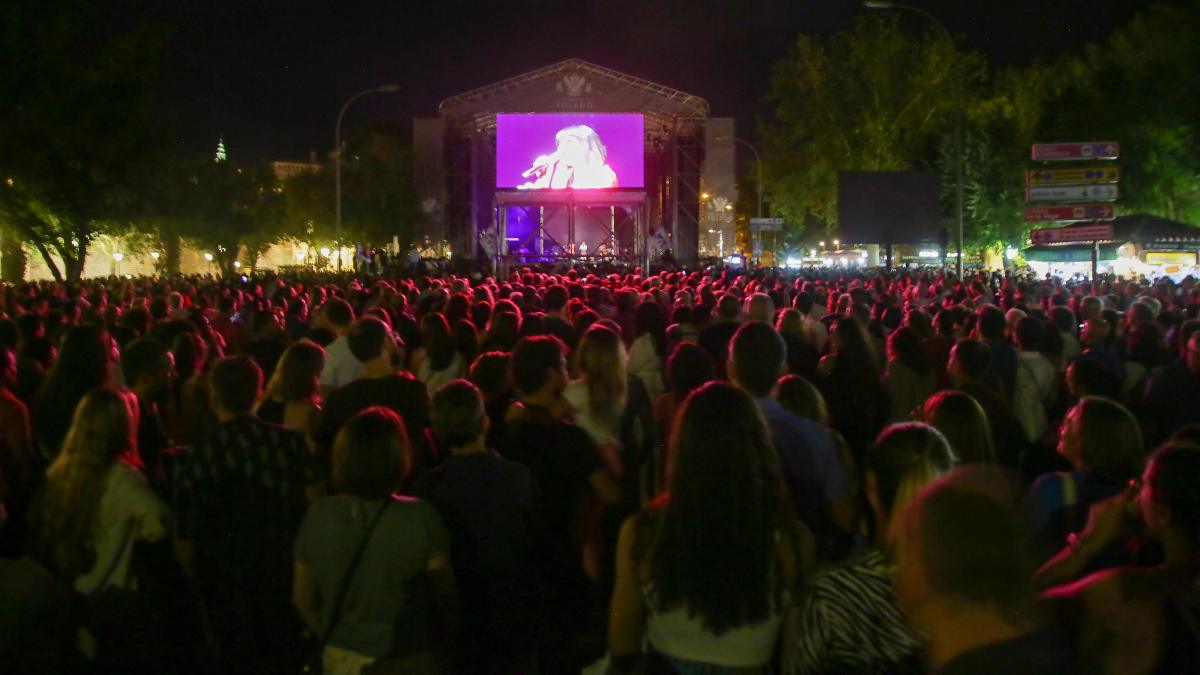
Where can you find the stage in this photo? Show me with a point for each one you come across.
(575, 162)
(575, 225)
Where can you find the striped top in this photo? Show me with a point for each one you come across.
(850, 623)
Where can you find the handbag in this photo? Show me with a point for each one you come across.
(316, 662)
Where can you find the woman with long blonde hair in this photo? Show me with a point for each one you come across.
(95, 501)
(598, 396)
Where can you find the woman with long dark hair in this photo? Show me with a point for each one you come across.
(437, 360)
(908, 378)
(85, 361)
(648, 350)
(725, 513)
(502, 332)
(689, 367)
(466, 339)
(849, 380)
(193, 413)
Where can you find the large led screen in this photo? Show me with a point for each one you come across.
(580, 151)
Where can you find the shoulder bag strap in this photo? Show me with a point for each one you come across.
(344, 586)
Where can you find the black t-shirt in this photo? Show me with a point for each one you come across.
(486, 503)
(403, 394)
(561, 457)
(266, 353)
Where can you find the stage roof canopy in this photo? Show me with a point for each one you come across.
(573, 85)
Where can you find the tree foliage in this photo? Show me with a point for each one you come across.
(875, 99)
(1141, 87)
(378, 197)
(75, 107)
(868, 99)
(231, 212)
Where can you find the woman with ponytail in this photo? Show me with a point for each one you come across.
(849, 622)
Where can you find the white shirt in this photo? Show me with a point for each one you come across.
(818, 331)
(127, 505)
(676, 634)
(434, 379)
(645, 362)
(341, 367)
(1033, 390)
(578, 396)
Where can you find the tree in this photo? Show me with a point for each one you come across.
(867, 99)
(233, 213)
(1001, 122)
(1140, 88)
(378, 198)
(76, 106)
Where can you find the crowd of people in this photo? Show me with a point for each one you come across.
(715, 471)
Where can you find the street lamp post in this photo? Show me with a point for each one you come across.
(958, 119)
(337, 161)
(758, 163)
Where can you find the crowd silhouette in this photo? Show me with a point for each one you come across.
(716, 471)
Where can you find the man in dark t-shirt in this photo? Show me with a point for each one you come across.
(239, 496)
(149, 370)
(555, 301)
(566, 466)
(372, 343)
(968, 371)
(486, 502)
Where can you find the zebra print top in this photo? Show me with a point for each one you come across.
(850, 623)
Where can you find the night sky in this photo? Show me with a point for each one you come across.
(269, 75)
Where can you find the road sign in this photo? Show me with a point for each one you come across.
(1072, 193)
(1072, 212)
(766, 224)
(1057, 152)
(1094, 174)
(1076, 233)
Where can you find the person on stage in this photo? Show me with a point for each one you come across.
(579, 161)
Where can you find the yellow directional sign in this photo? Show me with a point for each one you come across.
(1095, 174)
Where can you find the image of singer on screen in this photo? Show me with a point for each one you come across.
(579, 161)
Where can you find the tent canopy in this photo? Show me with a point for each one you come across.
(1141, 228)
